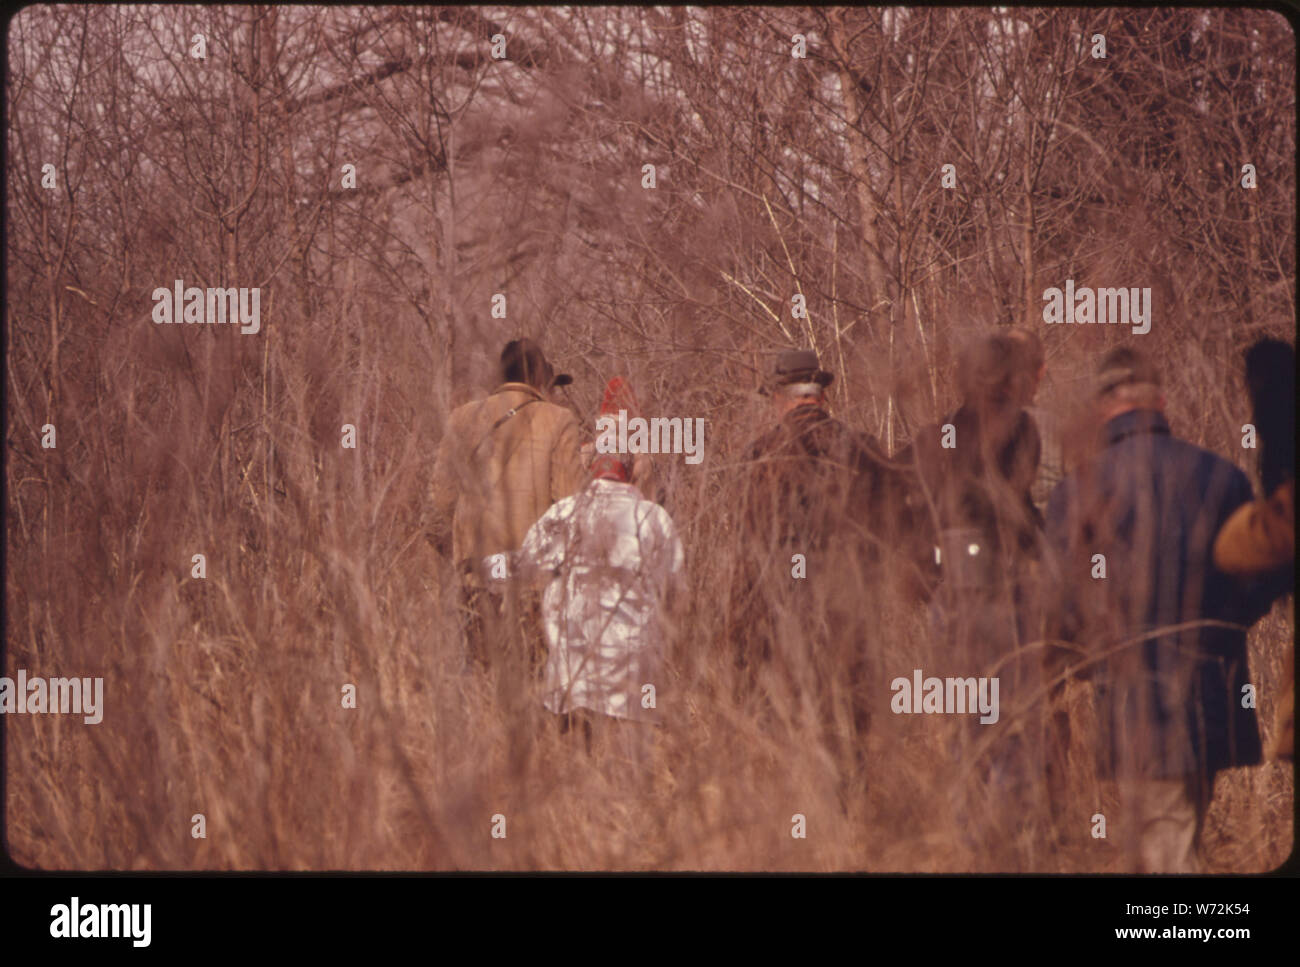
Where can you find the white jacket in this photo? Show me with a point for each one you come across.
(611, 554)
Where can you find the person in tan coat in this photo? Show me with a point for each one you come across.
(501, 463)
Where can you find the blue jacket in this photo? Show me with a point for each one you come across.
(1170, 706)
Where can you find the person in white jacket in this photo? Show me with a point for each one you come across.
(609, 557)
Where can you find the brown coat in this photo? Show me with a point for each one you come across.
(810, 481)
(496, 474)
(982, 486)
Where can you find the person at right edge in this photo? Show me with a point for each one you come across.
(1259, 539)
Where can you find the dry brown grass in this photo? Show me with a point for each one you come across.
(222, 696)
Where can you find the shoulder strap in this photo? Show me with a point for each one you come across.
(508, 414)
(511, 412)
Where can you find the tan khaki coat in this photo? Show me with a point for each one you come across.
(490, 485)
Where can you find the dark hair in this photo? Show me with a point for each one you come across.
(1270, 381)
(999, 370)
(522, 361)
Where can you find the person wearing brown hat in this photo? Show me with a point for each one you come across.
(877, 493)
(808, 506)
(501, 463)
(807, 465)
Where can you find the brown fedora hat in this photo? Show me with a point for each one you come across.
(799, 366)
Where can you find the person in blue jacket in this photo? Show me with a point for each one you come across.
(1162, 629)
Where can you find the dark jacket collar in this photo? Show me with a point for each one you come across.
(1134, 422)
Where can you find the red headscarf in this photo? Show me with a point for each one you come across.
(619, 396)
(615, 466)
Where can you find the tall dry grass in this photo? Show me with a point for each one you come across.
(223, 695)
